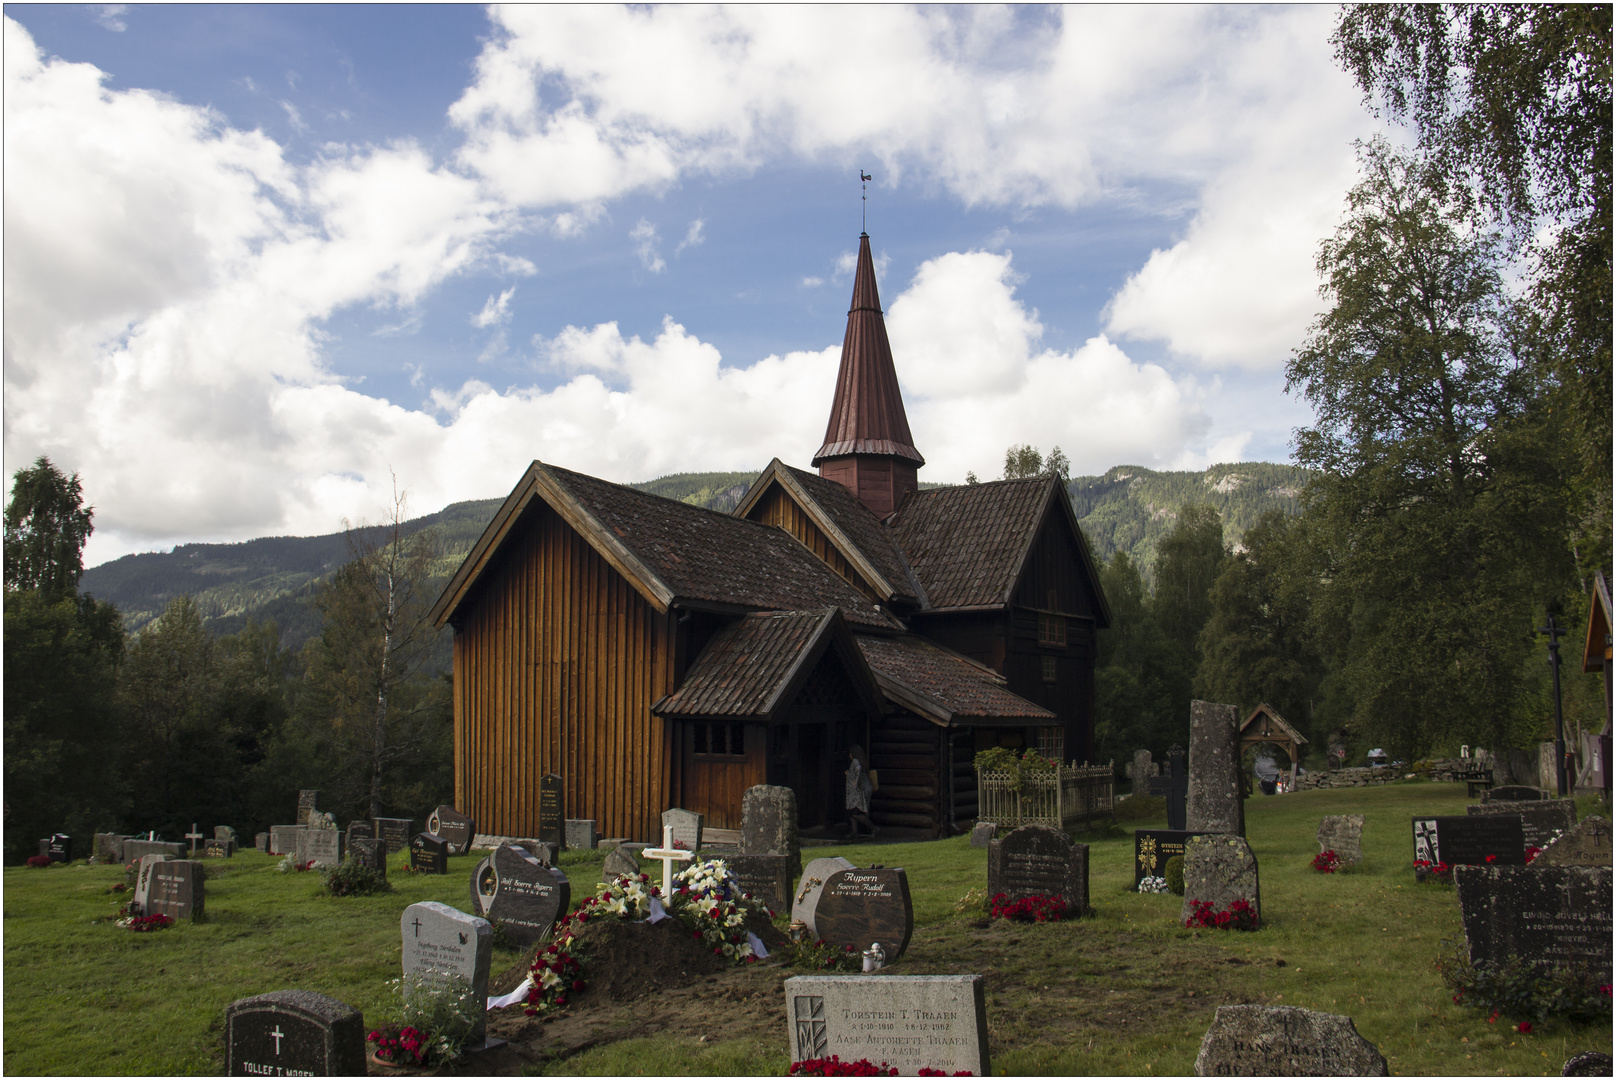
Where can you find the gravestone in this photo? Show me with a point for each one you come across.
(1556, 916)
(769, 824)
(357, 830)
(1592, 1063)
(552, 810)
(1153, 847)
(1140, 772)
(455, 828)
(370, 853)
(306, 802)
(1266, 1040)
(143, 880)
(59, 848)
(321, 847)
(429, 854)
(1586, 845)
(1213, 801)
(1220, 869)
(1342, 834)
(982, 833)
(293, 1033)
(175, 889)
(283, 839)
(911, 1022)
(319, 819)
(1514, 793)
(539, 850)
(1037, 860)
(1540, 819)
(108, 847)
(519, 892)
(395, 832)
(438, 939)
(1468, 840)
(618, 863)
(609, 843)
(135, 848)
(261, 842)
(219, 849)
(767, 877)
(686, 828)
(224, 832)
(810, 886)
(1178, 786)
(580, 833)
(858, 907)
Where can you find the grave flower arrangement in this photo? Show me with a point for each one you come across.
(290, 863)
(143, 924)
(835, 1066)
(707, 897)
(1036, 908)
(1523, 991)
(435, 1015)
(403, 1046)
(1326, 862)
(1424, 869)
(1152, 884)
(39, 861)
(1239, 915)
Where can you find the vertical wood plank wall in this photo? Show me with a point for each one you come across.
(556, 665)
(779, 509)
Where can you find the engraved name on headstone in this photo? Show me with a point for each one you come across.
(860, 907)
(1266, 1040)
(810, 886)
(438, 938)
(429, 854)
(521, 893)
(454, 827)
(293, 1033)
(1541, 819)
(911, 1022)
(395, 832)
(552, 810)
(1153, 847)
(1037, 860)
(1468, 841)
(1556, 916)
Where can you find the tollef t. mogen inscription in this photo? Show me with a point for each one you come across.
(911, 1022)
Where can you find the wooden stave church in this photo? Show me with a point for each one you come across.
(656, 654)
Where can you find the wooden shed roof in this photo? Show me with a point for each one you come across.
(943, 686)
(1596, 650)
(1272, 728)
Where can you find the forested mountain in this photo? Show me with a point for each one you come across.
(1129, 507)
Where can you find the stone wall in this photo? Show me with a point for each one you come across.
(1341, 778)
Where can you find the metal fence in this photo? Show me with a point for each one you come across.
(1059, 797)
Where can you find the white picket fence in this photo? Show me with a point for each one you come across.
(1059, 797)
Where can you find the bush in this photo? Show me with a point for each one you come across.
(1523, 991)
(1174, 872)
(38, 861)
(440, 1012)
(353, 879)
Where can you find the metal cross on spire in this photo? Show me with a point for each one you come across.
(864, 202)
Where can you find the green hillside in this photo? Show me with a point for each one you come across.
(1129, 508)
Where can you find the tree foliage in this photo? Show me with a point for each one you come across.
(1024, 461)
(47, 525)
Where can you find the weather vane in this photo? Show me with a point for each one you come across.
(864, 201)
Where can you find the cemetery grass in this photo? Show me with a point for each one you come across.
(1129, 991)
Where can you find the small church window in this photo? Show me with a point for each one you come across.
(720, 740)
(1051, 629)
(1049, 668)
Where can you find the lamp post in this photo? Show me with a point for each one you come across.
(1553, 632)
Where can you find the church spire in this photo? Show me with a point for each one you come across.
(868, 448)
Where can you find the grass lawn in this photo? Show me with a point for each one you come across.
(1127, 992)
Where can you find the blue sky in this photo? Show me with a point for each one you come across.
(261, 261)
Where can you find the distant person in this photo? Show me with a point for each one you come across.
(858, 793)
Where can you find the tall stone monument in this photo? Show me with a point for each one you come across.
(1213, 804)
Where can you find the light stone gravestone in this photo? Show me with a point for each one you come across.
(1541, 819)
(810, 885)
(176, 889)
(609, 843)
(1265, 1040)
(439, 939)
(307, 800)
(455, 828)
(293, 1033)
(108, 847)
(1586, 845)
(911, 1022)
(520, 893)
(143, 880)
(193, 836)
(541, 851)
(1140, 771)
(618, 863)
(136, 848)
(1213, 800)
(261, 842)
(769, 823)
(1037, 860)
(224, 832)
(1220, 869)
(321, 847)
(580, 833)
(1342, 834)
(861, 907)
(1556, 916)
(283, 839)
(686, 825)
(982, 833)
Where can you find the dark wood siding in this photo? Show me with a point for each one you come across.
(908, 753)
(557, 661)
(779, 509)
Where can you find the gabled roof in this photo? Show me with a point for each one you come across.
(847, 523)
(945, 687)
(759, 663)
(1272, 727)
(969, 545)
(1596, 650)
(866, 414)
(671, 552)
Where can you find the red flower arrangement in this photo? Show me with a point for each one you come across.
(1239, 915)
(1532, 853)
(406, 1047)
(1037, 908)
(142, 924)
(37, 861)
(835, 1066)
(1441, 871)
(1326, 862)
(1524, 1027)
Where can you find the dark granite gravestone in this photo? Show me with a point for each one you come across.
(429, 854)
(767, 877)
(552, 811)
(1514, 793)
(519, 892)
(306, 802)
(357, 830)
(1213, 804)
(175, 889)
(910, 1022)
(455, 828)
(1554, 917)
(858, 907)
(1586, 845)
(219, 849)
(1266, 1040)
(321, 847)
(1541, 819)
(283, 839)
(1153, 847)
(1219, 869)
(59, 848)
(370, 853)
(580, 833)
(1467, 841)
(982, 833)
(395, 832)
(1342, 834)
(769, 824)
(810, 886)
(686, 828)
(1037, 860)
(1592, 1063)
(618, 863)
(261, 842)
(1178, 787)
(437, 939)
(293, 1033)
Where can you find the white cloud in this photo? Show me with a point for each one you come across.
(644, 235)
(110, 16)
(812, 282)
(693, 236)
(495, 311)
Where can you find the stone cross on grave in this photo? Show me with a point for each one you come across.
(193, 836)
(669, 855)
(277, 1034)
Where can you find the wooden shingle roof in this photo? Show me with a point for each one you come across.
(967, 544)
(944, 686)
(1266, 724)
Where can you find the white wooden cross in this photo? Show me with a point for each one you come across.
(669, 855)
(193, 836)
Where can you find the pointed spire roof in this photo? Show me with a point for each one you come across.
(866, 415)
